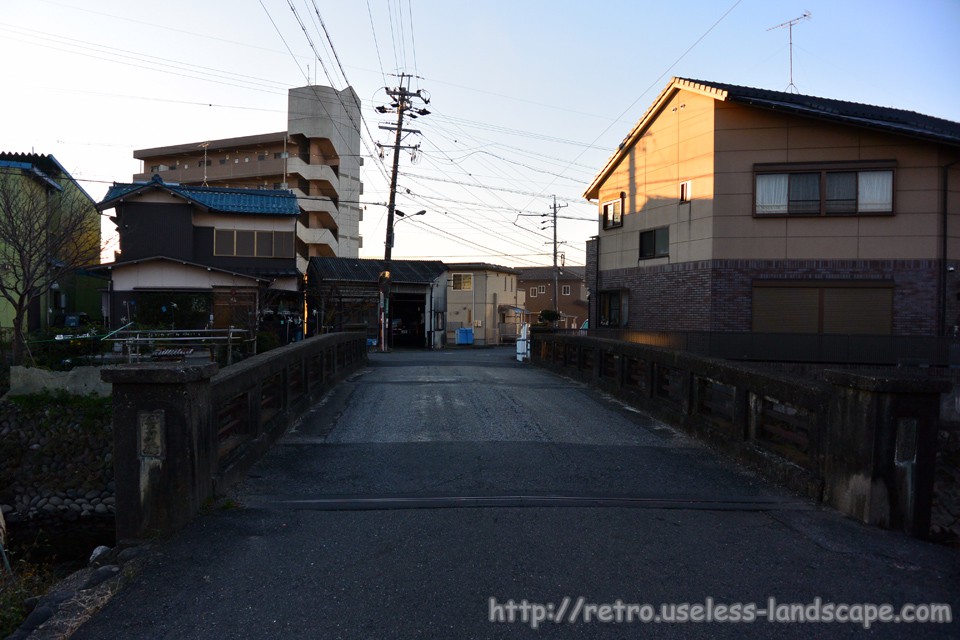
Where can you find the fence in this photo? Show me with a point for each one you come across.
(169, 345)
(183, 433)
(865, 444)
(819, 348)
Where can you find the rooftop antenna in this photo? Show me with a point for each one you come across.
(789, 25)
(205, 145)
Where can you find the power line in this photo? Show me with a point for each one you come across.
(659, 78)
(376, 43)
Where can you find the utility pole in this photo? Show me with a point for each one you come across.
(556, 272)
(402, 103)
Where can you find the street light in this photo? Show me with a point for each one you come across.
(391, 225)
(401, 214)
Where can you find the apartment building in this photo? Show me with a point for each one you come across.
(317, 158)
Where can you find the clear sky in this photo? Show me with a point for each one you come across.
(528, 98)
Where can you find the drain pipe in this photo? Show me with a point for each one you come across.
(943, 247)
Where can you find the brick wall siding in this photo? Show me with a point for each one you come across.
(716, 295)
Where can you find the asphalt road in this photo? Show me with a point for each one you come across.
(434, 481)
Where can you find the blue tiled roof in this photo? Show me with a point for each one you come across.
(218, 199)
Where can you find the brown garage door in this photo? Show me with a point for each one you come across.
(802, 307)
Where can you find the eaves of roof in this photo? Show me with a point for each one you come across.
(110, 266)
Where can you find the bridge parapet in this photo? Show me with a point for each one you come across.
(184, 433)
(862, 441)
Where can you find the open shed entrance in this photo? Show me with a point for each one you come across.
(407, 320)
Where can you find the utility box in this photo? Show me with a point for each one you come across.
(465, 335)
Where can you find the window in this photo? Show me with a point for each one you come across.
(815, 191)
(565, 290)
(280, 154)
(202, 163)
(223, 160)
(610, 309)
(851, 307)
(246, 241)
(463, 282)
(261, 157)
(223, 242)
(655, 243)
(259, 244)
(542, 289)
(533, 292)
(613, 214)
(685, 193)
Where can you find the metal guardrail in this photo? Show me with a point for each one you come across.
(810, 348)
(176, 344)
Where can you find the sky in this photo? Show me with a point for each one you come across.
(528, 98)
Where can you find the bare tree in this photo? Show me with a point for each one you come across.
(49, 228)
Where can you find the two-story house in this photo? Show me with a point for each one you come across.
(317, 157)
(37, 193)
(571, 297)
(214, 257)
(728, 208)
(486, 299)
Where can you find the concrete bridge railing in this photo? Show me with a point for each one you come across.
(184, 433)
(865, 443)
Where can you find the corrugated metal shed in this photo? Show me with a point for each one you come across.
(369, 270)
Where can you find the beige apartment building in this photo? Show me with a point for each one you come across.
(317, 158)
(728, 208)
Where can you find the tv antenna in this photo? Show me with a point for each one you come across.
(789, 25)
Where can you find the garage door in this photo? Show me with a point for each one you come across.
(854, 308)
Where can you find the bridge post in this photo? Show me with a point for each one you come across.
(881, 448)
(165, 446)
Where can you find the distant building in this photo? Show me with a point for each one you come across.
(317, 158)
(728, 208)
(485, 298)
(200, 257)
(537, 282)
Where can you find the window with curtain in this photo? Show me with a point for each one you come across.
(823, 191)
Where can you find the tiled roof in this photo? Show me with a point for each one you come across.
(479, 266)
(546, 273)
(369, 270)
(44, 168)
(45, 163)
(889, 120)
(217, 199)
(854, 113)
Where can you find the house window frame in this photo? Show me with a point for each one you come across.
(823, 169)
(686, 192)
(661, 243)
(611, 308)
(533, 292)
(457, 281)
(565, 290)
(279, 240)
(615, 221)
